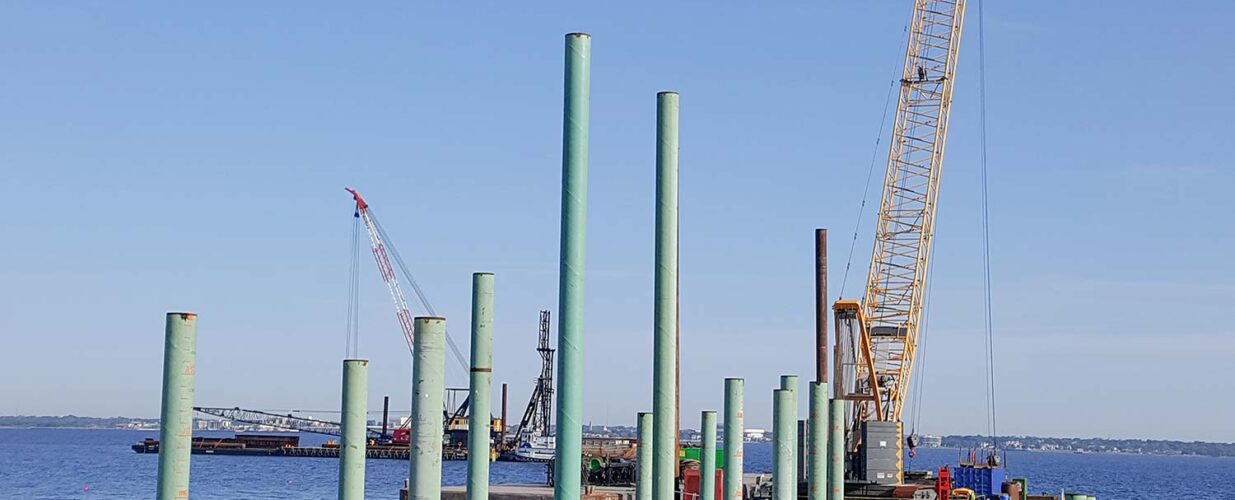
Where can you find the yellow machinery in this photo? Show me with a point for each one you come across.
(876, 337)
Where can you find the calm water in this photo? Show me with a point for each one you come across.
(98, 464)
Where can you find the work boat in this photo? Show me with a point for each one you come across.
(535, 449)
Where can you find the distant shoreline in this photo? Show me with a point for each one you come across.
(53, 427)
(1096, 446)
(1156, 447)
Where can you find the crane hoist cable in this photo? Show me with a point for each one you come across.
(870, 171)
(920, 380)
(352, 347)
(986, 234)
(870, 174)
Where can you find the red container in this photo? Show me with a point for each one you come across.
(690, 484)
(943, 482)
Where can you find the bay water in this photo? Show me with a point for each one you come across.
(98, 464)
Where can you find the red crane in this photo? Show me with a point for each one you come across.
(387, 257)
(384, 267)
(385, 254)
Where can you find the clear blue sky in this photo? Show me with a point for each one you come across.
(159, 157)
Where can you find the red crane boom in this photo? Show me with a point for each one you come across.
(383, 266)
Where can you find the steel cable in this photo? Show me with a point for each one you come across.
(986, 233)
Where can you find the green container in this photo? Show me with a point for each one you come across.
(695, 454)
(1024, 487)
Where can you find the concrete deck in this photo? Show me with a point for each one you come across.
(536, 492)
(755, 484)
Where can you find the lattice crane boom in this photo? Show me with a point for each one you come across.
(280, 421)
(877, 337)
(385, 269)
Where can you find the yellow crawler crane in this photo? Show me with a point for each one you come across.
(876, 338)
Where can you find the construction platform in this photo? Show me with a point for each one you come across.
(538, 492)
(752, 484)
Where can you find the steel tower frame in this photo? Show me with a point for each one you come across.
(538, 417)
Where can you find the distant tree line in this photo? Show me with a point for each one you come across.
(1097, 445)
(70, 421)
(1086, 445)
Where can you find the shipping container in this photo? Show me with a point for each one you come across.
(984, 481)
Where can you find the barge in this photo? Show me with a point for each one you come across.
(288, 446)
(241, 444)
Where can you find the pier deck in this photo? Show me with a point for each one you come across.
(537, 492)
